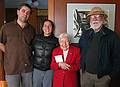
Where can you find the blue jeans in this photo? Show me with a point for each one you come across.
(42, 78)
(19, 80)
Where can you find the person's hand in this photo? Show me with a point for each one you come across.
(2, 47)
(64, 65)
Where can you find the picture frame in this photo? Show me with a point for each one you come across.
(42, 16)
(75, 26)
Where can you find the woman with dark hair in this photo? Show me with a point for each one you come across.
(43, 44)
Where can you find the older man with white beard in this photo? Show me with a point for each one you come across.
(100, 47)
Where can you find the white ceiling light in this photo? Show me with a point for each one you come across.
(34, 4)
(29, 2)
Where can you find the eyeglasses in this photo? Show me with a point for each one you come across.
(96, 17)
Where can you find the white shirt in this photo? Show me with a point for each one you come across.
(65, 53)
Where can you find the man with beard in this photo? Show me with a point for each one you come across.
(100, 47)
(15, 42)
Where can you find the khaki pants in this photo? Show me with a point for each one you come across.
(91, 80)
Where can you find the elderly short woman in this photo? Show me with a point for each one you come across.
(65, 63)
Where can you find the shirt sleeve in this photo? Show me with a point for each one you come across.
(3, 37)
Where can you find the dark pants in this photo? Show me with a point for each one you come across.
(115, 81)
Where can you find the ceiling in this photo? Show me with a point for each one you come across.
(42, 4)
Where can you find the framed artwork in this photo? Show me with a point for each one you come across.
(77, 21)
(42, 15)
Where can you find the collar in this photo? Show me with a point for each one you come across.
(104, 31)
(27, 24)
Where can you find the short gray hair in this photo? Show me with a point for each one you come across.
(61, 36)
